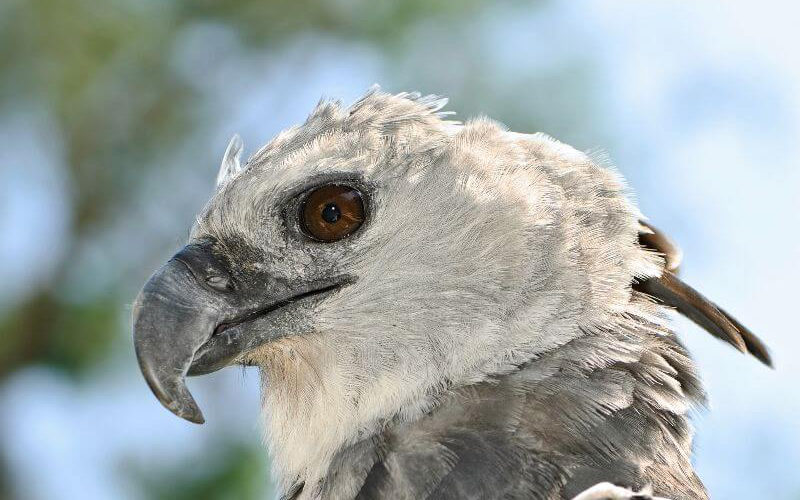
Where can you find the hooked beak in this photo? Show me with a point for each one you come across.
(169, 325)
(189, 320)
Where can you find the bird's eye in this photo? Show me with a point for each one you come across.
(332, 212)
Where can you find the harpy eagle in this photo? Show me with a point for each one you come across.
(437, 310)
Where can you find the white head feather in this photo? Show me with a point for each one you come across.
(485, 248)
(231, 166)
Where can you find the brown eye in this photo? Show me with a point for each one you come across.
(332, 212)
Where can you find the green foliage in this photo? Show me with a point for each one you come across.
(105, 74)
(226, 470)
(68, 336)
(4, 483)
(380, 21)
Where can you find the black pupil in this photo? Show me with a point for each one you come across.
(331, 213)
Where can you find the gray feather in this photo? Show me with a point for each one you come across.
(489, 343)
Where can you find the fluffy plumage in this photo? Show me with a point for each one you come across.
(488, 344)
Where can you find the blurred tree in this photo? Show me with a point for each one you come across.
(104, 74)
(236, 471)
(4, 482)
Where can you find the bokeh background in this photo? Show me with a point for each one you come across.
(114, 116)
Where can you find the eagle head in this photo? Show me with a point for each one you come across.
(380, 253)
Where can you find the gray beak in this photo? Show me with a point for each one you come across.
(171, 320)
(175, 314)
(191, 318)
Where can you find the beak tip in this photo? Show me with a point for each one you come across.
(173, 395)
(182, 404)
(186, 408)
(193, 415)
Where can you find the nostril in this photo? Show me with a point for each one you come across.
(219, 283)
(200, 260)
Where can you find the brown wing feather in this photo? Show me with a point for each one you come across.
(652, 238)
(672, 292)
(755, 345)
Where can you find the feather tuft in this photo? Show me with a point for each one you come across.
(231, 162)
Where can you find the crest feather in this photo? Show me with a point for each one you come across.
(231, 165)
